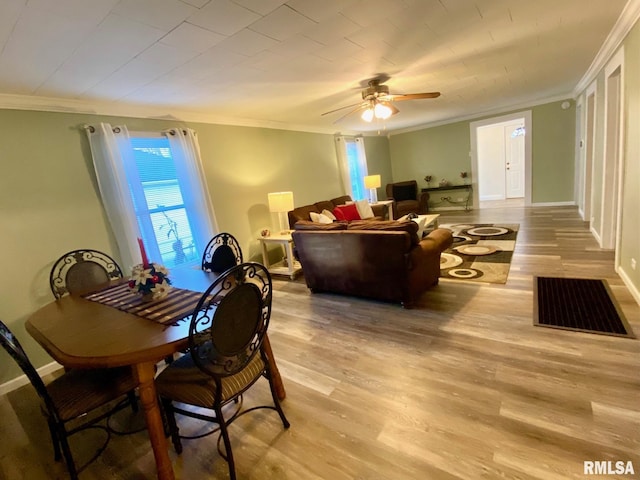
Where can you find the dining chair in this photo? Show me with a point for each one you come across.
(79, 270)
(78, 396)
(226, 355)
(221, 253)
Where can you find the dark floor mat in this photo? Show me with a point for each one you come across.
(578, 304)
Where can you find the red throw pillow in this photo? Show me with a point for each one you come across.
(347, 212)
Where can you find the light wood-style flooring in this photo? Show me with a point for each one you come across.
(462, 387)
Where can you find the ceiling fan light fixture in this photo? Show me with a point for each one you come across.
(367, 115)
(382, 111)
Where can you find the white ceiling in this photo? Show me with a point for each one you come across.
(284, 63)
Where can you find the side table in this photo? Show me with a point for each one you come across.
(388, 204)
(288, 265)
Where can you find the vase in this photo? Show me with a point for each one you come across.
(147, 297)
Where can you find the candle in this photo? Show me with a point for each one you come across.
(143, 253)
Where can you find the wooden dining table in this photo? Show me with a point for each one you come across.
(80, 333)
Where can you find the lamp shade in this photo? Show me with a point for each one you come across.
(280, 201)
(372, 181)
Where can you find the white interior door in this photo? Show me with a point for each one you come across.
(514, 160)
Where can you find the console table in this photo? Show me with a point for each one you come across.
(450, 198)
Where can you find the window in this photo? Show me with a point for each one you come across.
(153, 186)
(160, 209)
(353, 165)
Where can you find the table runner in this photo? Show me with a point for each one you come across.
(177, 305)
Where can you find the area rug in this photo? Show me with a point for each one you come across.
(578, 304)
(480, 252)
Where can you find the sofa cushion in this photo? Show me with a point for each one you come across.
(324, 205)
(340, 200)
(308, 225)
(319, 218)
(329, 213)
(387, 225)
(346, 212)
(364, 209)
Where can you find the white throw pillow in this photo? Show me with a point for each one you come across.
(364, 209)
(420, 221)
(328, 213)
(319, 218)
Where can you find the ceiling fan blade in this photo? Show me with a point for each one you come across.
(359, 107)
(397, 97)
(341, 108)
(393, 108)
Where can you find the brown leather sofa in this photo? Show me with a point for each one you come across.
(383, 260)
(407, 199)
(303, 213)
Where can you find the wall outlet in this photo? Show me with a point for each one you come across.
(633, 264)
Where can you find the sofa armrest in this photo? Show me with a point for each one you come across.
(379, 210)
(438, 240)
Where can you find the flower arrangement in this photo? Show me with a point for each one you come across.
(463, 174)
(150, 280)
(428, 178)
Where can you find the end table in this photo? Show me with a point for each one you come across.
(288, 265)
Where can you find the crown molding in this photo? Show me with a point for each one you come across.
(69, 105)
(485, 113)
(626, 21)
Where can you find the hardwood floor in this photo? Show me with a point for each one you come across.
(462, 387)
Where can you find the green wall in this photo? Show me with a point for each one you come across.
(553, 153)
(630, 221)
(444, 151)
(50, 203)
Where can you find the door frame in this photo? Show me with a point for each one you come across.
(612, 182)
(473, 130)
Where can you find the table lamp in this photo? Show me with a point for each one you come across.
(372, 182)
(281, 203)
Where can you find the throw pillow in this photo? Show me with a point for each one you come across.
(319, 218)
(329, 214)
(346, 212)
(364, 209)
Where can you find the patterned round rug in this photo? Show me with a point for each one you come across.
(463, 273)
(472, 249)
(448, 260)
(487, 231)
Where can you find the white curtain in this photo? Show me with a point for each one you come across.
(109, 146)
(345, 167)
(195, 193)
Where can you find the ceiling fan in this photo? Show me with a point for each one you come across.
(377, 102)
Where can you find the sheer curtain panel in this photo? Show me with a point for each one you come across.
(109, 148)
(186, 153)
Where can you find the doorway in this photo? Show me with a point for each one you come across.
(613, 161)
(501, 159)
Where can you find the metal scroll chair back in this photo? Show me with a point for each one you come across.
(69, 399)
(79, 270)
(222, 252)
(226, 355)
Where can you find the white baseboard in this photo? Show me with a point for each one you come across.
(596, 235)
(442, 209)
(627, 281)
(22, 380)
(489, 198)
(554, 204)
